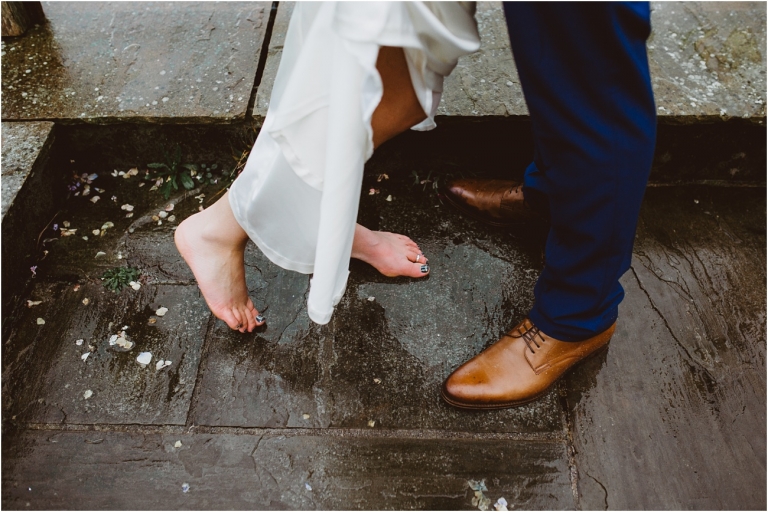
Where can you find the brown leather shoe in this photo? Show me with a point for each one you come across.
(517, 369)
(495, 202)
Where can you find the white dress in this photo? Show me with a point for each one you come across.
(298, 196)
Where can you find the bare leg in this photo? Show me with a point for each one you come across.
(399, 109)
(213, 243)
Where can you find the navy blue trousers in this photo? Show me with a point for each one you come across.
(584, 72)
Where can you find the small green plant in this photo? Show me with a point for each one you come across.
(117, 278)
(172, 174)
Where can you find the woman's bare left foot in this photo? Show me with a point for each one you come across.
(391, 254)
(213, 245)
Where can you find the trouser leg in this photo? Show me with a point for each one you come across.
(584, 72)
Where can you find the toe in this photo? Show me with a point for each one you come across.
(258, 319)
(250, 318)
(229, 318)
(241, 322)
(417, 270)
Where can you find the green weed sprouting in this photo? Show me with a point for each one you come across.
(117, 278)
(173, 173)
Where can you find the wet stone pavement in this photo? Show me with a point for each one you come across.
(348, 415)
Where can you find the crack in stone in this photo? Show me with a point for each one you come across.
(690, 357)
(602, 486)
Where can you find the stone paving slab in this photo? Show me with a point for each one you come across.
(678, 403)
(410, 336)
(111, 470)
(134, 61)
(23, 145)
(57, 379)
(707, 61)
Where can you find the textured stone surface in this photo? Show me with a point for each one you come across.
(21, 147)
(55, 378)
(707, 60)
(678, 403)
(274, 377)
(275, 52)
(118, 61)
(107, 470)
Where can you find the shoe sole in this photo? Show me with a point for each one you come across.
(517, 403)
(473, 214)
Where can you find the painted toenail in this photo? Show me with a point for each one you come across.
(424, 269)
(259, 319)
(239, 326)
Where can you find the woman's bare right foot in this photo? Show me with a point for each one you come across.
(213, 245)
(391, 254)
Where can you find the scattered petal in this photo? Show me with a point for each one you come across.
(88, 394)
(155, 218)
(100, 254)
(200, 198)
(79, 342)
(152, 320)
(77, 287)
(85, 238)
(169, 208)
(305, 416)
(161, 311)
(389, 198)
(371, 423)
(185, 487)
(85, 356)
(40, 321)
(33, 269)
(144, 358)
(86, 301)
(94, 199)
(134, 285)
(68, 232)
(382, 177)
(32, 303)
(177, 444)
(162, 214)
(172, 218)
(477, 485)
(113, 339)
(93, 176)
(377, 380)
(371, 299)
(95, 232)
(501, 504)
(307, 486)
(65, 223)
(162, 364)
(127, 207)
(107, 225)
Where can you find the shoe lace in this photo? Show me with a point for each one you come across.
(529, 337)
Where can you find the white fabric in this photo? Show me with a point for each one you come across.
(298, 196)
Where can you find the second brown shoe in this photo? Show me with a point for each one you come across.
(517, 369)
(496, 202)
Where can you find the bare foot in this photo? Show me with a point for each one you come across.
(391, 254)
(213, 245)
